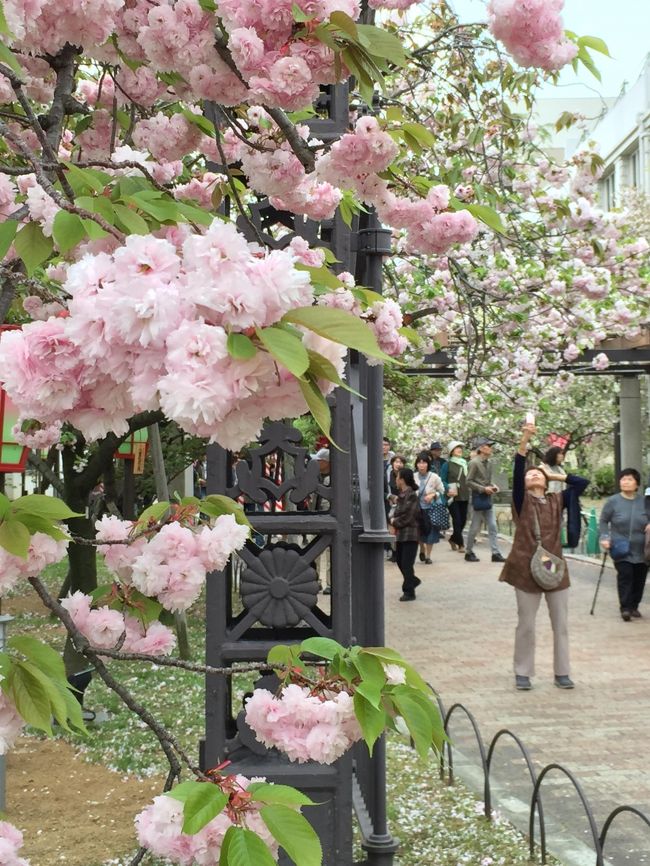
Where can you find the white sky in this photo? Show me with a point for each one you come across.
(623, 24)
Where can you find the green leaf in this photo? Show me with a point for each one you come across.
(146, 609)
(420, 133)
(372, 720)
(5, 667)
(4, 27)
(44, 506)
(94, 231)
(370, 668)
(215, 505)
(317, 405)
(74, 718)
(299, 15)
(182, 791)
(286, 348)
(7, 234)
(5, 506)
(86, 180)
(193, 213)
(240, 347)
(129, 221)
(321, 276)
(31, 696)
(44, 657)
(486, 215)
(371, 691)
(208, 5)
(338, 326)
(382, 43)
(416, 718)
(282, 795)
(7, 56)
(286, 656)
(202, 804)
(595, 43)
(585, 58)
(68, 230)
(294, 833)
(346, 24)
(32, 246)
(154, 512)
(246, 848)
(324, 647)
(35, 523)
(15, 538)
(200, 120)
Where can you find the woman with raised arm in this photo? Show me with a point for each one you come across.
(535, 565)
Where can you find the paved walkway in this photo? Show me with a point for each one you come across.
(459, 633)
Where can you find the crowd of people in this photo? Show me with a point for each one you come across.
(424, 501)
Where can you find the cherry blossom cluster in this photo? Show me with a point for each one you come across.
(148, 329)
(11, 724)
(305, 726)
(532, 31)
(159, 828)
(171, 566)
(356, 161)
(11, 840)
(105, 628)
(43, 551)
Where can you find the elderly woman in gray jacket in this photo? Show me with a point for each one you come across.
(405, 522)
(622, 532)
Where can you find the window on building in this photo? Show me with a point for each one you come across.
(609, 191)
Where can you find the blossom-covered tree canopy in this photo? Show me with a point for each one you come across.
(128, 121)
(136, 135)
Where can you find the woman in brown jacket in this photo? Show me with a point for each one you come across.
(530, 499)
(405, 522)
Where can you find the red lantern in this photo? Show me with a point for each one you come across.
(13, 457)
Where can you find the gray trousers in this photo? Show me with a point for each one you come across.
(558, 610)
(477, 519)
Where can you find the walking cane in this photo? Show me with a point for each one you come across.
(600, 577)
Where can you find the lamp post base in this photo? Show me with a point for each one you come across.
(380, 849)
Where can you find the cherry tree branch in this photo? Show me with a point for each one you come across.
(48, 150)
(297, 144)
(49, 188)
(174, 752)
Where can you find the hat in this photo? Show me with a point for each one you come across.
(454, 444)
(481, 441)
(435, 446)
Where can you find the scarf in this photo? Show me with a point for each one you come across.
(459, 461)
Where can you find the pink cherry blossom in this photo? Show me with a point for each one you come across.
(532, 31)
(304, 726)
(11, 724)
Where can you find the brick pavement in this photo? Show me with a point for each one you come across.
(459, 633)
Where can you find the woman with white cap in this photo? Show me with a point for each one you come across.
(454, 477)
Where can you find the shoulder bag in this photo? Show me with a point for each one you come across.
(548, 570)
(621, 547)
(481, 501)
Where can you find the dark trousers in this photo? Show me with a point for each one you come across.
(631, 583)
(458, 511)
(405, 553)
